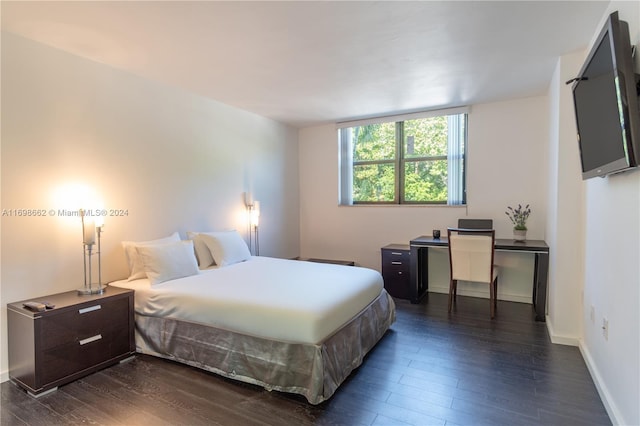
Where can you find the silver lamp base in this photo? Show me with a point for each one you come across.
(91, 290)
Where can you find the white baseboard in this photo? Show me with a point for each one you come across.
(608, 401)
(484, 294)
(605, 395)
(558, 339)
(4, 376)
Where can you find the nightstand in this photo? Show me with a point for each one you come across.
(80, 335)
(333, 261)
(395, 270)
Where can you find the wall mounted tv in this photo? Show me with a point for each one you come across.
(605, 97)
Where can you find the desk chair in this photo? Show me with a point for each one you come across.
(475, 223)
(471, 254)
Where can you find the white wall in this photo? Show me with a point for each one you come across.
(612, 275)
(507, 165)
(174, 161)
(565, 216)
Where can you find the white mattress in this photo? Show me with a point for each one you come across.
(286, 300)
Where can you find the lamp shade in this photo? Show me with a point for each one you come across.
(255, 213)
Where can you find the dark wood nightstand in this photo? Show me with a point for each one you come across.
(395, 270)
(333, 261)
(82, 334)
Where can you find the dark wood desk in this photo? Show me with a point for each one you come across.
(419, 267)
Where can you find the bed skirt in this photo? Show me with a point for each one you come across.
(312, 370)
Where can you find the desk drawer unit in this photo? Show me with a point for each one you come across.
(79, 336)
(395, 270)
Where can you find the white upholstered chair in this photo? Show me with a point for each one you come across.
(471, 259)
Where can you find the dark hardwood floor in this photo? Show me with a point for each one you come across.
(430, 368)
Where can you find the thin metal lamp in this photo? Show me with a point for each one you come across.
(253, 215)
(89, 231)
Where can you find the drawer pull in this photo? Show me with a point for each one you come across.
(397, 253)
(396, 263)
(90, 339)
(399, 272)
(89, 309)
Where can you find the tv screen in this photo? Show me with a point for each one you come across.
(606, 104)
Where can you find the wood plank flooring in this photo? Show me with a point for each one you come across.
(431, 368)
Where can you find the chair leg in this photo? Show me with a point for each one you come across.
(453, 284)
(492, 298)
(495, 293)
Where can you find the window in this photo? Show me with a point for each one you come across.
(410, 159)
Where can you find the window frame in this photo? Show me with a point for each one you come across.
(404, 159)
(400, 159)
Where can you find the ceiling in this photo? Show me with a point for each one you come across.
(306, 63)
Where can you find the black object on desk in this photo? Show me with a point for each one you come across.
(419, 269)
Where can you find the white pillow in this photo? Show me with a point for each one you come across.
(136, 267)
(202, 251)
(226, 247)
(164, 262)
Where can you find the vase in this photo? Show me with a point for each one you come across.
(520, 234)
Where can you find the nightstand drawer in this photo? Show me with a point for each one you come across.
(396, 271)
(395, 257)
(82, 354)
(396, 264)
(85, 320)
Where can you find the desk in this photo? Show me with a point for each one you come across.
(419, 267)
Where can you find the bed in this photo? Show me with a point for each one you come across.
(285, 325)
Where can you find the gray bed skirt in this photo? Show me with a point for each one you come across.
(314, 371)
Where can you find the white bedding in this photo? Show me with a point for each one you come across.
(286, 300)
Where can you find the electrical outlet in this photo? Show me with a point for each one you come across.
(592, 315)
(605, 328)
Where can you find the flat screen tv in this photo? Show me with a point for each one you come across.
(605, 96)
